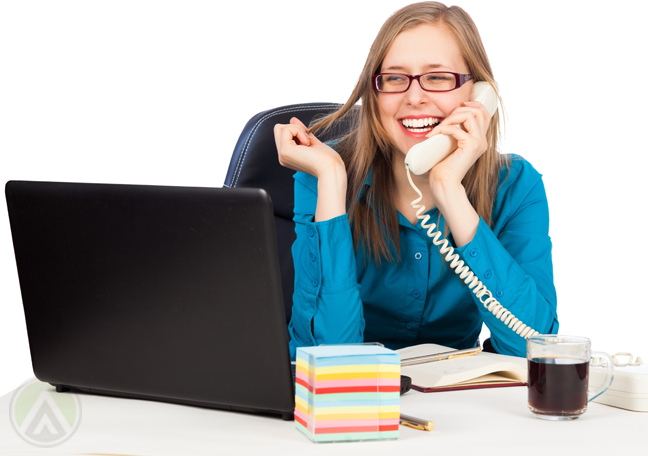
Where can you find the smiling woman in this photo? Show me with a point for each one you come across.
(137, 92)
(365, 269)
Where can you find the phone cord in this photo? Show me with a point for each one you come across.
(465, 273)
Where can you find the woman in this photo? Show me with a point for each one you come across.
(365, 269)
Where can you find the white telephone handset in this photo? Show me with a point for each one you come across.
(420, 159)
(423, 156)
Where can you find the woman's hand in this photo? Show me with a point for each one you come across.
(471, 141)
(302, 151)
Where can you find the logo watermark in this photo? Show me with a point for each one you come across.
(43, 417)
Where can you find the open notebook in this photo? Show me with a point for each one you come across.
(484, 370)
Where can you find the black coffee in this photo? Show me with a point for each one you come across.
(558, 384)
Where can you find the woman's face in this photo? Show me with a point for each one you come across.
(420, 50)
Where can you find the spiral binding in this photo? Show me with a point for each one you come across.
(469, 278)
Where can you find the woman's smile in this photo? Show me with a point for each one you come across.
(419, 126)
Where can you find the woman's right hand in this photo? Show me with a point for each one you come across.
(302, 151)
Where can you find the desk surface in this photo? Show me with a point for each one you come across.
(487, 421)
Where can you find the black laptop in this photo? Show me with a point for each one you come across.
(151, 292)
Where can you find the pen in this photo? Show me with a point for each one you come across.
(416, 423)
(440, 356)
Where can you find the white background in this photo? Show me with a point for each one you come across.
(129, 92)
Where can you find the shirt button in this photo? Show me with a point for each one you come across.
(416, 293)
(409, 326)
(418, 255)
(473, 253)
(499, 293)
(312, 257)
(310, 232)
(488, 274)
(315, 282)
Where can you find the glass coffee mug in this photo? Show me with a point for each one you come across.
(559, 376)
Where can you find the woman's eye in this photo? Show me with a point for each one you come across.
(436, 78)
(395, 79)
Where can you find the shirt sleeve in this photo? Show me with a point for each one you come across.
(326, 302)
(516, 267)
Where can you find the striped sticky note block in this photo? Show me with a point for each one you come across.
(347, 392)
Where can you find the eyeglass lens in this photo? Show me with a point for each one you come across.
(429, 81)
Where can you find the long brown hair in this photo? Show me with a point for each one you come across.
(372, 213)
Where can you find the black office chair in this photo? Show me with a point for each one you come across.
(255, 164)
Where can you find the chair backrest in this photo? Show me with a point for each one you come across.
(255, 164)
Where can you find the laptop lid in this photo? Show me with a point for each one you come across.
(168, 293)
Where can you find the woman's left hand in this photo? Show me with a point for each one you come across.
(473, 117)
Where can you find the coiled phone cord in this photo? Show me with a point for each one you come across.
(465, 273)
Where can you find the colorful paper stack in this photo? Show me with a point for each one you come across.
(347, 392)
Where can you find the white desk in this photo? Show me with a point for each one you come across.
(476, 422)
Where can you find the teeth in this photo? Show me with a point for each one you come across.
(418, 123)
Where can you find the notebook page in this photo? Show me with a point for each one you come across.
(453, 371)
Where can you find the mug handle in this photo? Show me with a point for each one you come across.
(609, 376)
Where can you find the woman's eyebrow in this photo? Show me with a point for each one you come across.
(429, 66)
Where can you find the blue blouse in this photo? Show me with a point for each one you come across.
(340, 299)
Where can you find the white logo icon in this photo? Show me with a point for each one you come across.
(43, 417)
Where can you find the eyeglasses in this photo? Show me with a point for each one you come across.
(435, 81)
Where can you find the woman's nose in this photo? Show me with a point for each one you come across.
(415, 94)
